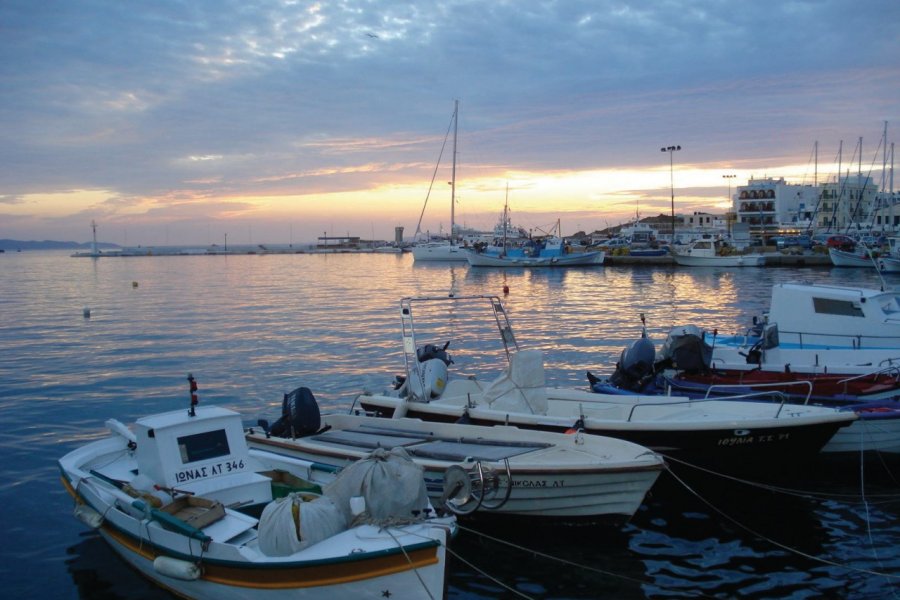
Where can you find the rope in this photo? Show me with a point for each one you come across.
(862, 491)
(563, 561)
(484, 573)
(409, 560)
(778, 544)
(806, 494)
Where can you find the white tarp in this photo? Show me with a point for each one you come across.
(391, 483)
(316, 520)
(522, 387)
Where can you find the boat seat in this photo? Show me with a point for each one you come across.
(521, 387)
(461, 387)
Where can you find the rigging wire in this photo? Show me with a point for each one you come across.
(434, 176)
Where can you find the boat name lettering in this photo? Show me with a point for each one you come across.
(539, 483)
(753, 439)
(227, 466)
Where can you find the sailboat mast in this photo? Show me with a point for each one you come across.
(453, 174)
(816, 167)
(505, 216)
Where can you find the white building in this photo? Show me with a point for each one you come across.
(770, 205)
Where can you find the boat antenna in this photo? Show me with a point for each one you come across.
(193, 392)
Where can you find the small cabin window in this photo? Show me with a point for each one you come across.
(830, 306)
(203, 446)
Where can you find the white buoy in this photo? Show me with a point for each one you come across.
(179, 569)
(86, 312)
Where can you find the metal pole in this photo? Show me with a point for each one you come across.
(670, 150)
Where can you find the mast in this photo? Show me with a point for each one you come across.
(816, 165)
(505, 216)
(94, 243)
(839, 207)
(453, 175)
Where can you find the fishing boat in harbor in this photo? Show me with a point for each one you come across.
(820, 328)
(684, 367)
(548, 251)
(731, 435)
(182, 499)
(860, 257)
(711, 253)
(500, 471)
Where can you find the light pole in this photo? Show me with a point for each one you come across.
(729, 178)
(671, 150)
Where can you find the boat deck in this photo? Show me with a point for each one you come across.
(427, 446)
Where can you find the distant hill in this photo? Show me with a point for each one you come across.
(15, 245)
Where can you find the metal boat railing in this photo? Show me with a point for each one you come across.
(408, 327)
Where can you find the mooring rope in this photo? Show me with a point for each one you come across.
(806, 494)
(776, 543)
(563, 561)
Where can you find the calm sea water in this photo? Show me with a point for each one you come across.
(250, 328)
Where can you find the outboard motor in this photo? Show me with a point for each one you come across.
(300, 415)
(430, 377)
(686, 350)
(635, 368)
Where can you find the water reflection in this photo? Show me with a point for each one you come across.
(251, 328)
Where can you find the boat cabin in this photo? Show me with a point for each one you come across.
(205, 454)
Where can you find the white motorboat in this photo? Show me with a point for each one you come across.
(438, 251)
(685, 367)
(820, 328)
(860, 258)
(705, 253)
(510, 471)
(733, 435)
(184, 501)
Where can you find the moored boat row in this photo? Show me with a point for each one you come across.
(194, 499)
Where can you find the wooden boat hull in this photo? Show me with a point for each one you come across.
(559, 476)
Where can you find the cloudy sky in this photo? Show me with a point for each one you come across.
(274, 121)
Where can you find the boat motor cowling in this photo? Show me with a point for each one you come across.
(636, 365)
(431, 374)
(299, 415)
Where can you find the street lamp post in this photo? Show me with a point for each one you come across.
(729, 178)
(671, 150)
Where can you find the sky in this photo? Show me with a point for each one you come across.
(186, 122)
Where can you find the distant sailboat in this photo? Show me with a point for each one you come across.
(444, 250)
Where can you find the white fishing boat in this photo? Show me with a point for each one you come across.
(706, 253)
(732, 435)
(888, 264)
(500, 470)
(184, 501)
(443, 250)
(821, 328)
(685, 367)
(860, 258)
